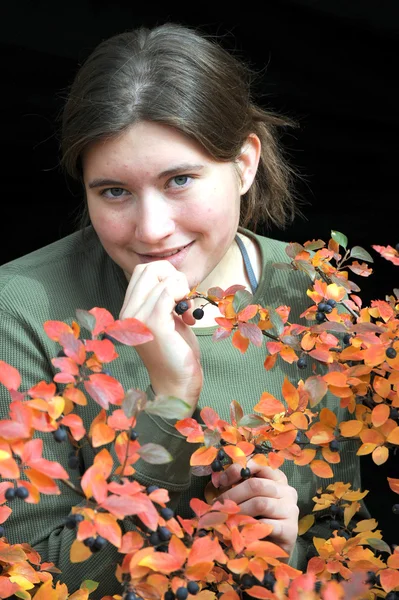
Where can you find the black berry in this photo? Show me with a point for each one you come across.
(392, 596)
(89, 542)
(133, 435)
(302, 363)
(193, 587)
(130, 596)
(152, 488)
(245, 473)
(322, 306)
(371, 578)
(343, 533)
(154, 539)
(10, 494)
(2, 531)
(394, 413)
(99, 544)
(221, 455)
(164, 534)
(181, 307)
(198, 313)
(320, 317)
(395, 509)
(328, 309)
(268, 581)
(391, 352)
(167, 513)
(202, 533)
(163, 548)
(334, 524)
(334, 446)
(60, 435)
(181, 593)
(61, 354)
(217, 466)
(169, 595)
(73, 462)
(73, 520)
(247, 580)
(22, 492)
(347, 339)
(331, 303)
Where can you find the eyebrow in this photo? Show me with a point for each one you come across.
(183, 168)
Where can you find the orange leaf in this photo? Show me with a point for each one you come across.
(9, 376)
(393, 484)
(380, 455)
(131, 542)
(240, 342)
(236, 455)
(351, 428)
(102, 434)
(44, 484)
(107, 526)
(393, 437)
(203, 456)
(306, 456)
(265, 549)
(191, 429)
(75, 424)
(177, 549)
(299, 420)
(366, 449)
(321, 469)
(284, 440)
(199, 507)
(290, 394)
(382, 386)
(256, 591)
(54, 329)
(269, 363)
(275, 459)
(389, 579)
(238, 565)
(9, 469)
(79, 552)
(269, 406)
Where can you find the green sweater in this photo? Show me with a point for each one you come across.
(50, 284)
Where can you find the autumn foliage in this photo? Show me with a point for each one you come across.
(225, 552)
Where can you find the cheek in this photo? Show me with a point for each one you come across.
(109, 228)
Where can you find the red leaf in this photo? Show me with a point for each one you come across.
(252, 332)
(19, 427)
(103, 319)
(73, 348)
(240, 342)
(103, 349)
(49, 468)
(131, 332)
(54, 329)
(105, 390)
(9, 376)
(75, 424)
(5, 512)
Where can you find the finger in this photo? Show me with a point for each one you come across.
(270, 508)
(255, 487)
(232, 474)
(284, 533)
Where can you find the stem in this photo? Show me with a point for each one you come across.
(72, 487)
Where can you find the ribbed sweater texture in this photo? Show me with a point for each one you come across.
(76, 273)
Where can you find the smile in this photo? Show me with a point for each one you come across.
(175, 257)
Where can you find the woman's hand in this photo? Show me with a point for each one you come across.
(172, 359)
(266, 495)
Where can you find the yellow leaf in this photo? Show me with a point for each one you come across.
(305, 523)
(350, 511)
(366, 525)
(46, 592)
(366, 449)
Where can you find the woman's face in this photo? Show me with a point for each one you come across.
(153, 194)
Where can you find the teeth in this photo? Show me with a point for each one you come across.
(168, 254)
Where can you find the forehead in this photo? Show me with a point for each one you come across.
(144, 145)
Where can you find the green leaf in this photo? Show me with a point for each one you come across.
(251, 421)
(307, 268)
(283, 266)
(359, 252)
(293, 249)
(134, 402)
(340, 238)
(168, 407)
(85, 319)
(89, 585)
(242, 298)
(317, 388)
(154, 454)
(276, 320)
(378, 545)
(211, 438)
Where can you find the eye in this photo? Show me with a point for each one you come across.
(113, 193)
(180, 181)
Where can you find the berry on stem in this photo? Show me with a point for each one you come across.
(181, 593)
(302, 362)
(2, 531)
(133, 435)
(152, 488)
(320, 318)
(169, 595)
(164, 534)
(60, 435)
(395, 509)
(99, 544)
(167, 513)
(331, 302)
(198, 313)
(216, 466)
(391, 352)
(193, 587)
(22, 492)
(334, 446)
(245, 473)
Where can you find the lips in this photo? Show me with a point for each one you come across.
(175, 257)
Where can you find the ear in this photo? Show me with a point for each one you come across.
(247, 162)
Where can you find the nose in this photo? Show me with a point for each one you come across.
(154, 219)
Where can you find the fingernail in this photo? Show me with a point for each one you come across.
(223, 479)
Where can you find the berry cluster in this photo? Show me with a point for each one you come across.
(182, 306)
(323, 309)
(20, 492)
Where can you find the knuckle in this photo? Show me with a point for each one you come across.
(260, 506)
(255, 485)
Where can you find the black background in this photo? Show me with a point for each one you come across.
(332, 65)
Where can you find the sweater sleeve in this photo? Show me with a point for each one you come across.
(42, 525)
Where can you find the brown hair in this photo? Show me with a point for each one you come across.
(174, 75)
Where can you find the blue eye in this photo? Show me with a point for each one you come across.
(180, 181)
(113, 192)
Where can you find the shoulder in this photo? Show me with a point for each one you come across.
(52, 267)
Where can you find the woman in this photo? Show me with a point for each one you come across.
(176, 161)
